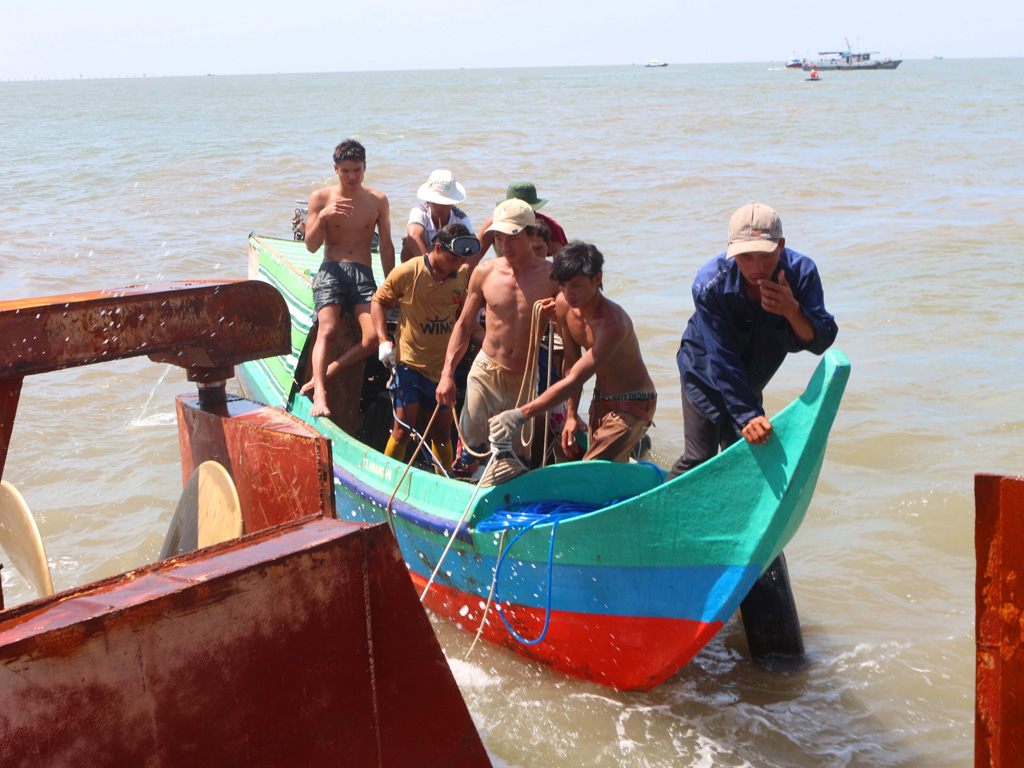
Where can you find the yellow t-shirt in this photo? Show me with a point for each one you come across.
(427, 309)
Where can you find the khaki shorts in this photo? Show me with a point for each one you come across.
(490, 389)
(616, 426)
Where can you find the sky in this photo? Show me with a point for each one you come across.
(45, 39)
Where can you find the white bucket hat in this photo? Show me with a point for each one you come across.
(442, 188)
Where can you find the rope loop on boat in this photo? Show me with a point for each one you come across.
(527, 517)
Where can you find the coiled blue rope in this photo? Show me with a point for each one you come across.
(529, 516)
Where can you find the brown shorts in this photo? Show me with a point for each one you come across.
(617, 425)
(490, 389)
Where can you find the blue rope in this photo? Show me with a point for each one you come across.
(527, 517)
(661, 472)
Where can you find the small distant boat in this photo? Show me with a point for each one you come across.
(794, 63)
(848, 60)
(655, 63)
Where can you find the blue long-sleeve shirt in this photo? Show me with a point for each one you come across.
(732, 347)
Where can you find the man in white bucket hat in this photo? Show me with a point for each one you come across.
(439, 194)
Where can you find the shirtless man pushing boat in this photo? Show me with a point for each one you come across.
(342, 218)
(599, 340)
(509, 285)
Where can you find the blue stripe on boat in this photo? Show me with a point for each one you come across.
(695, 593)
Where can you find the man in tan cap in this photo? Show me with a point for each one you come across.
(753, 305)
(508, 286)
(439, 193)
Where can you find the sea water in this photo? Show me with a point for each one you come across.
(906, 188)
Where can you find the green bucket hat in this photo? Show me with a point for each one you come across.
(526, 191)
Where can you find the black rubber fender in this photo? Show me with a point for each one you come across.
(770, 618)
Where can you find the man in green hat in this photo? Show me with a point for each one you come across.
(527, 192)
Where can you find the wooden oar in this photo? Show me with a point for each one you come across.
(208, 512)
(20, 539)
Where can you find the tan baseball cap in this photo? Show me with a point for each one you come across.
(512, 216)
(754, 228)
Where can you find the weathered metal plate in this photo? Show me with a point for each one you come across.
(304, 644)
(999, 628)
(281, 466)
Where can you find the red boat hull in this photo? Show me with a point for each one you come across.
(628, 653)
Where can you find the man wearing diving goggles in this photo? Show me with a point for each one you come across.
(429, 292)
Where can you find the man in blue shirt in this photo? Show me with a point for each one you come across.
(753, 305)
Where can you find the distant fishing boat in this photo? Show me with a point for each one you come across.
(794, 63)
(655, 63)
(848, 60)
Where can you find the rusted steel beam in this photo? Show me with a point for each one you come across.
(204, 326)
(999, 628)
(281, 466)
(10, 393)
(302, 645)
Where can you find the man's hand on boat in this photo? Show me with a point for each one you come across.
(505, 425)
(757, 430)
(386, 354)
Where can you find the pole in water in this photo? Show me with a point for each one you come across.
(770, 618)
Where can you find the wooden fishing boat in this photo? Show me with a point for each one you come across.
(300, 643)
(624, 584)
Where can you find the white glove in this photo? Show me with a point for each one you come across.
(505, 425)
(386, 353)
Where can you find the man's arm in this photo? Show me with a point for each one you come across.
(571, 353)
(379, 316)
(415, 242)
(727, 372)
(459, 341)
(486, 241)
(608, 337)
(387, 247)
(314, 222)
(819, 328)
(778, 299)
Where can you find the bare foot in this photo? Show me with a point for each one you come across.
(319, 407)
(307, 389)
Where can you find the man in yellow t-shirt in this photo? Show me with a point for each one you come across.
(428, 292)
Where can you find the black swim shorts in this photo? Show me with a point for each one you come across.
(347, 283)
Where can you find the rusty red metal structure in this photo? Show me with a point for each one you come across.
(304, 644)
(204, 326)
(999, 628)
(301, 643)
(271, 455)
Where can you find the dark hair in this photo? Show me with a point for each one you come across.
(449, 232)
(349, 149)
(576, 258)
(543, 230)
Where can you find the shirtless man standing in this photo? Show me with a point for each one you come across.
(342, 219)
(624, 396)
(509, 285)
